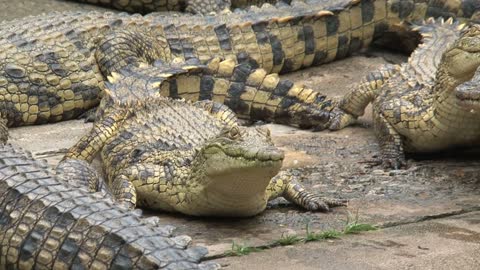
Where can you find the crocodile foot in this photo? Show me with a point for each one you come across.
(89, 116)
(315, 203)
(394, 163)
(297, 194)
(387, 163)
(340, 119)
(307, 116)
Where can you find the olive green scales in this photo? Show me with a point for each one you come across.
(47, 222)
(53, 67)
(429, 103)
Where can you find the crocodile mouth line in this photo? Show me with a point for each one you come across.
(265, 156)
(472, 105)
(468, 95)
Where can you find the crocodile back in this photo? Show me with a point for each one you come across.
(161, 128)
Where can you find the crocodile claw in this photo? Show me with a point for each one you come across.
(387, 163)
(316, 203)
(340, 119)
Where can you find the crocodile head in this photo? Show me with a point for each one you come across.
(236, 167)
(241, 148)
(461, 62)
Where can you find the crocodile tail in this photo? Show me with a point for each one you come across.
(138, 85)
(250, 92)
(437, 36)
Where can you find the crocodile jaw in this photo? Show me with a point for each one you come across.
(233, 186)
(240, 192)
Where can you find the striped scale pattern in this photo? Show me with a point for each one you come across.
(429, 103)
(192, 158)
(53, 67)
(47, 223)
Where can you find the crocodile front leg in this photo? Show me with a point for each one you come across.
(89, 145)
(391, 143)
(353, 104)
(79, 172)
(285, 184)
(157, 185)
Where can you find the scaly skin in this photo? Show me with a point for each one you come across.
(194, 6)
(47, 223)
(170, 155)
(430, 103)
(429, 8)
(53, 67)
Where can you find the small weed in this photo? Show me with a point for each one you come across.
(240, 250)
(355, 227)
(331, 234)
(351, 227)
(288, 239)
(311, 236)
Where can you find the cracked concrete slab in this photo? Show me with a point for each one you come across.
(446, 243)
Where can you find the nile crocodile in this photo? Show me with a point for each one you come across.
(47, 223)
(53, 67)
(430, 103)
(193, 158)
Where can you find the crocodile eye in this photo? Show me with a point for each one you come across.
(234, 133)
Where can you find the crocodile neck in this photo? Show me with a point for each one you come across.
(240, 192)
(445, 119)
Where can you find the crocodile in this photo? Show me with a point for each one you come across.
(47, 222)
(53, 67)
(194, 158)
(430, 103)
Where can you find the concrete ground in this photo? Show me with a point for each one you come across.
(428, 214)
(447, 243)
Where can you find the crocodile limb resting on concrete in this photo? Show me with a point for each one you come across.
(192, 158)
(53, 67)
(47, 223)
(430, 103)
